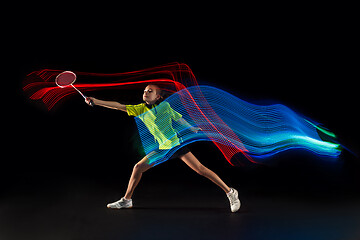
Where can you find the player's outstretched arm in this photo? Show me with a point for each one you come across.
(107, 104)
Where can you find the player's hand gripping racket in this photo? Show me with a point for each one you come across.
(66, 79)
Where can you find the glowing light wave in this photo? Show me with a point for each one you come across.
(233, 125)
(259, 131)
(173, 77)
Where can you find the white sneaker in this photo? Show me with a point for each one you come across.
(122, 203)
(234, 200)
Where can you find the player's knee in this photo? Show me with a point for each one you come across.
(138, 167)
(202, 170)
(141, 167)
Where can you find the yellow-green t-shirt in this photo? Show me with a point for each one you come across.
(159, 122)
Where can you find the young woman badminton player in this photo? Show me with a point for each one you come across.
(152, 96)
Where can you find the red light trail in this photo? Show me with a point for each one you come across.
(173, 77)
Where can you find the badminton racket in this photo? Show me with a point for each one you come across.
(66, 79)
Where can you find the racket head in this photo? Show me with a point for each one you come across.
(65, 79)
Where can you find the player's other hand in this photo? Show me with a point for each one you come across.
(195, 129)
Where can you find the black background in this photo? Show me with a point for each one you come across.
(307, 61)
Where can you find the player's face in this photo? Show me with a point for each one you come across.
(151, 95)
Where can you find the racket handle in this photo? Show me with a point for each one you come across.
(91, 102)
